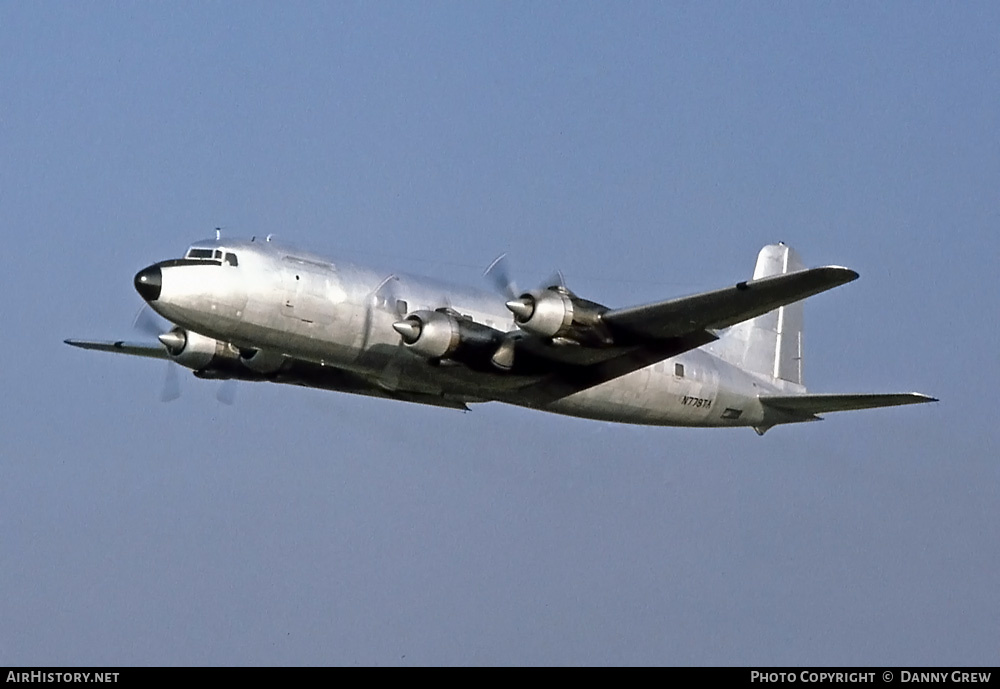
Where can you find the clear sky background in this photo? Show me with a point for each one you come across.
(647, 150)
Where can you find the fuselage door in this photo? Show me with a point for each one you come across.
(311, 291)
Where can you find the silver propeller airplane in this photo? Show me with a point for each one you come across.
(259, 311)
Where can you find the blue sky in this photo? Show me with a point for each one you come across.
(647, 150)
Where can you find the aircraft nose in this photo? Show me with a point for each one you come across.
(148, 282)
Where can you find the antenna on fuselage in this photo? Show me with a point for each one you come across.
(218, 233)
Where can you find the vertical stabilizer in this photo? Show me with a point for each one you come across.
(769, 345)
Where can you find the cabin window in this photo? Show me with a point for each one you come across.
(401, 307)
(679, 370)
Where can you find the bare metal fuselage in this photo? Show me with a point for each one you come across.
(330, 325)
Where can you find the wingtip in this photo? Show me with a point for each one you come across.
(82, 344)
(919, 398)
(846, 273)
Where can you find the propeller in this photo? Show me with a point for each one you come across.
(408, 330)
(522, 306)
(148, 324)
(499, 273)
(227, 392)
(385, 297)
(171, 384)
(557, 279)
(174, 340)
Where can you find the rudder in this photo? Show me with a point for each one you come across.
(771, 344)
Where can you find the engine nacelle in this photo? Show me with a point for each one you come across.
(432, 334)
(441, 335)
(559, 314)
(194, 351)
(262, 361)
(546, 312)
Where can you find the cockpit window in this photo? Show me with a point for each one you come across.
(215, 256)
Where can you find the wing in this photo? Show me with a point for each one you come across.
(297, 372)
(810, 405)
(643, 335)
(725, 307)
(151, 351)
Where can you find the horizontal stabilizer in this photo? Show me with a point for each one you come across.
(152, 351)
(808, 405)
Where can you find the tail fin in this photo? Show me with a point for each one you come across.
(770, 345)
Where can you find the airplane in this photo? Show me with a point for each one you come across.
(263, 311)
